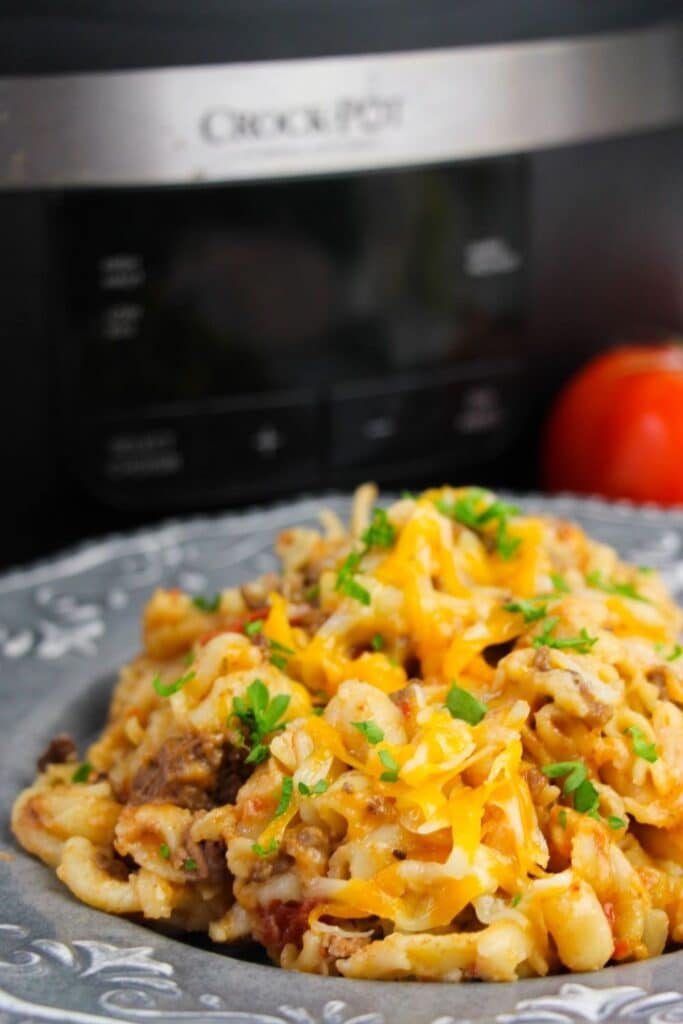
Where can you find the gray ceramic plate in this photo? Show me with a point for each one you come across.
(65, 627)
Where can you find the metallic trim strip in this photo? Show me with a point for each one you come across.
(276, 119)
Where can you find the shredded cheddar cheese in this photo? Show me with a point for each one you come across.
(444, 744)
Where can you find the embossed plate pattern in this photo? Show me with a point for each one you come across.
(65, 627)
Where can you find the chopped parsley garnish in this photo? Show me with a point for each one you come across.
(164, 851)
(464, 706)
(586, 799)
(279, 654)
(207, 604)
(83, 772)
(346, 584)
(641, 747)
(260, 716)
(614, 822)
(318, 710)
(645, 569)
(575, 771)
(188, 659)
(599, 582)
(559, 583)
(516, 899)
(190, 864)
(380, 533)
(261, 851)
(562, 818)
(168, 689)
(464, 508)
(581, 643)
(285, 797)
(372, 732)
(466, 511)
(313, 593)
(530, 609)
(576, 783)
(253, 628)
(320, 787)
(675, 653)
(378, 642)
(391, 765)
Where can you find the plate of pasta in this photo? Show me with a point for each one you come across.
(402, 760)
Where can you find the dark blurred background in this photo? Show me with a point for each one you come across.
(241, 259)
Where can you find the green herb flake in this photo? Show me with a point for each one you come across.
(318, 711)
(380, 533)
(562, 818)
(258, 753)
(587, 798)
(646, 569)
(279, 654)
(346, 584)
(285, 797)
(464, 510)
(675, 653)
(531, 610)
(168, 689)
(378, 642)
(320, 787)
(575, 772)
(599, 582)
(190, 864)
(641, 747)
(275, 645)
(576, 783)
(372, 732)
(559, 583)
(164, 851)
(464, 706)
(83, 772)
(188, 659)
(516, 899)
(313, 593)
(391, 765)
(253, 628)
(261, 851)
(467, 511)
(260, 716)
(616, 823)
(582, 643)
(409, 496)
(207, 604)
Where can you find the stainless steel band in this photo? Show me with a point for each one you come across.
(288, 118)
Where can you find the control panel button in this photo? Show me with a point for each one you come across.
(374, 427)
(434, 424)
(232, 450)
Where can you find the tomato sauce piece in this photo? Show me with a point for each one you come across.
(283, 922)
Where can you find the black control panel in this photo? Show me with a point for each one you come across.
(241, 342)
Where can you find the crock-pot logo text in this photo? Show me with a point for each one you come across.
(346, 117)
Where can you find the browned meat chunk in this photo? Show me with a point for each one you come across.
(60, 750)
(183, 771)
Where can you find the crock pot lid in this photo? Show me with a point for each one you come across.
(92, 35)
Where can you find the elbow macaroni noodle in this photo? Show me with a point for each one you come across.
(444, 744)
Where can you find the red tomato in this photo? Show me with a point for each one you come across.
(617, 428)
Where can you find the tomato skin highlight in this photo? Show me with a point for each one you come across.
(617, 428)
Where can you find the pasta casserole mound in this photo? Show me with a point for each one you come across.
(444, 743)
